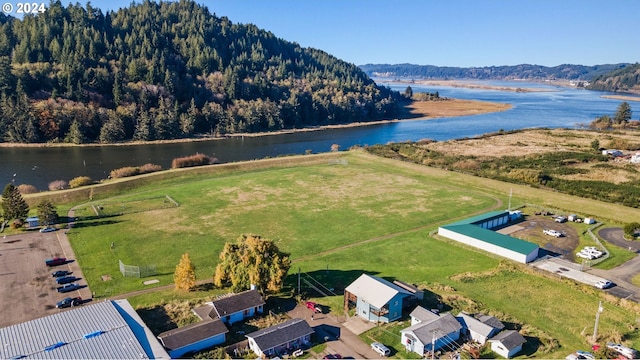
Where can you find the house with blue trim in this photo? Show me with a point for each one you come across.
(376, 299)
(479, 232)
(429, 331)
(193, 338)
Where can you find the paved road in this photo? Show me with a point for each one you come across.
(340, 339)
(621, 275)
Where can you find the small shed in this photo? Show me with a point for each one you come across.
(572, 217)
(589, 221)
(33, 221)
(507, 343)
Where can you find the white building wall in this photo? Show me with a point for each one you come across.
(487, 246)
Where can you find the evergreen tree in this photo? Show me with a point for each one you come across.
(184, 277)
(623, 114)
(47, 213)
(13, 205)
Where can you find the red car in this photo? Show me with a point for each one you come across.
(314, 307)
(55, 261)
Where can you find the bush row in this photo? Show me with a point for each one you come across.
(193, 160)
(134, 170)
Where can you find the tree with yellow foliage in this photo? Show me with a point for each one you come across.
(252, 260)
(185, 276)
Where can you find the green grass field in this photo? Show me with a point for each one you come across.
(373, 215)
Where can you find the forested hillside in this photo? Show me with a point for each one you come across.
(626, 79)
(167, 70)
(523, 71)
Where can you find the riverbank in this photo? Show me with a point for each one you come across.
(416, 110)
(470, 85)
(622, 97)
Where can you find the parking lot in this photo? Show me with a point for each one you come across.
(28, 291)
(532, 228)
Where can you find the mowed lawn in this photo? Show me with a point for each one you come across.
(338, 221)
(305, 209)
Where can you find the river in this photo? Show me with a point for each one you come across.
(558, 107)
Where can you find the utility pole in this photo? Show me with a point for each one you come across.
(510, 195)
(595, 328)
(298, 281)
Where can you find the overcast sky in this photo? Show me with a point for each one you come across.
(461, 33)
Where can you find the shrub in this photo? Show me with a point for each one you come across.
(58, 185)
(124, 172)
(149, 168)
(193, 160)
(27, 189)
(80, 181)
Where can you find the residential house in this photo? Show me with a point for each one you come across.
(280, 339)
(507, 343)
(194, 337)
(232, 308)
(429, 331)
(376, 299)
(478, 330)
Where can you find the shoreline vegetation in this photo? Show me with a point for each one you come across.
(470, 85)
(415, 110)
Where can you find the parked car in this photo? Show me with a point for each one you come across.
(68, 287)
(313, 306)
(560, 219)
(552, 232)
(332, 356)
(626, 351)
(585, 355)
(585, 255)
(380, 349)
(55, 261)
(60, 273)
(68, 302)
(603, 284)
(47, 229)
(66, 279)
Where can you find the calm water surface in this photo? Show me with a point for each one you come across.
(559, 107)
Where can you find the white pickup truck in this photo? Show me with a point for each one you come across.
(552, 232)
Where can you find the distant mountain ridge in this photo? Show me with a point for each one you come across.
(521, 72)
(626, 79)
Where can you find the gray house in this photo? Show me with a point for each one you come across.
(280, 339)
(478, 330)
(232, 308)
(429, 330)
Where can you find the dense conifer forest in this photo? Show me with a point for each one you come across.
(167, 70)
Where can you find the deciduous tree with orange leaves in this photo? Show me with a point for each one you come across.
(185, 276)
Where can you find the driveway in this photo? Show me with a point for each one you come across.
(338, 338)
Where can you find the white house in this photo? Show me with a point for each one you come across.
(429, 329)
(507, 343)
(194, 337)
(279, 339)
(478, 232)
(477, 330)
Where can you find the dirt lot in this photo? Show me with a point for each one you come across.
(27, 289)
(531, 230)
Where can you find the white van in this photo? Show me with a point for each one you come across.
(380, 349)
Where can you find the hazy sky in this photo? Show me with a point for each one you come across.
(460, 33)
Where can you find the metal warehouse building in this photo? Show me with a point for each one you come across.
(104, 330)
(477, 232)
